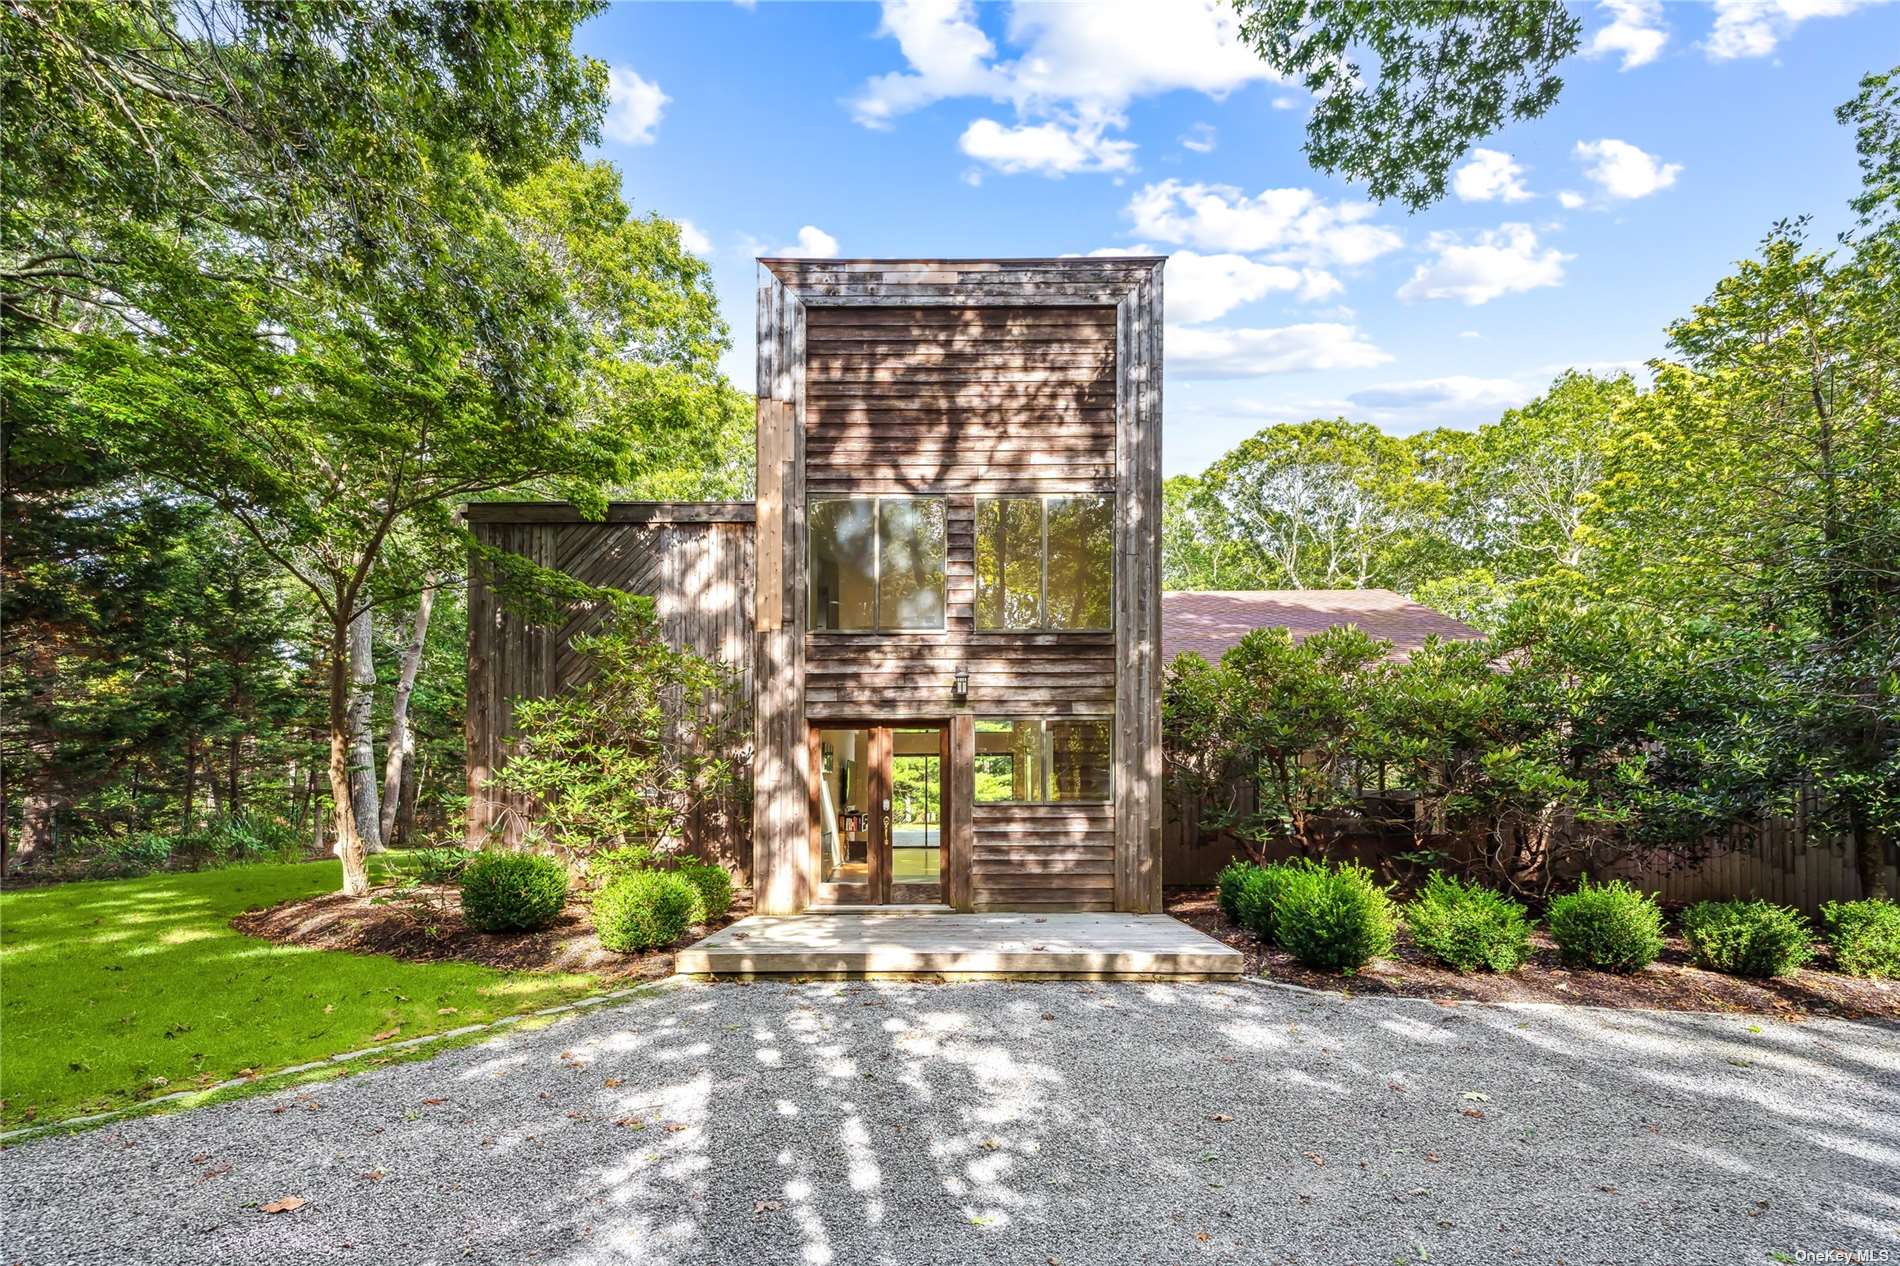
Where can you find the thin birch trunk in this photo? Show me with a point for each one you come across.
(361, 743)
(402, 740)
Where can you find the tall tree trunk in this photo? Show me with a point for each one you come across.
(191, 780)
(402, 741)
(349, 845)
(362, 744)
(233, 763)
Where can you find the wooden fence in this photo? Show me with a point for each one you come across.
(1780, 861)
(693, 559)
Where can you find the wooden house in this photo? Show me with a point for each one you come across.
(953, 585)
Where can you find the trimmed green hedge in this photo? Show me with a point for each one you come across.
(512, 892)
(1339, 919)
(1468, 927)
(645, 909)
(1865, 936)
(713, 885)
(1747, 938)
(1611, 927)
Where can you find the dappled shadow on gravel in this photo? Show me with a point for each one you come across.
(1672, 983)
(907, 1123)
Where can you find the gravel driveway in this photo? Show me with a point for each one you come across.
(1021, 1123)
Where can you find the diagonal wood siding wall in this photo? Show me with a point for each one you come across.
(694, 559)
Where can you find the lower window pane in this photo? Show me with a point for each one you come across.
(1079, 760)
(1008, 761)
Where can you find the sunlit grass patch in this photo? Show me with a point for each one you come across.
(120, 990)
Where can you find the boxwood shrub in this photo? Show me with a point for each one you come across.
(1227, 886)
(1260, 887)
(1747, 938)
(1339, 918)
(645, 909)
(512, 892)
(1611, 927)
(1864, 935)
(713, 886)
(1467, 926)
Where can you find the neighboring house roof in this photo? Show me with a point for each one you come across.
(1209, 621)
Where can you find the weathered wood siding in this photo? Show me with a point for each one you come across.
(958, 379)
(694, 559)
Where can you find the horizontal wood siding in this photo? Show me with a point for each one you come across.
(698, 568)
(959, 398)
(1043, 857)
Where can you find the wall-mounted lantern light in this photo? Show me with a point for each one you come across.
(960, 686)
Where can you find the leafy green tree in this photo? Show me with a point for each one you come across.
(624, 757)
(1403, 88)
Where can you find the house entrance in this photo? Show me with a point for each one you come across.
(878, 813)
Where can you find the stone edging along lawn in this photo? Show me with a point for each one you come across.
(262, 1082)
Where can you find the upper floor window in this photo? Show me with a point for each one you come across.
(1044, 562)
(876, 562)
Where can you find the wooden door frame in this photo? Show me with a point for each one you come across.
(876, 890)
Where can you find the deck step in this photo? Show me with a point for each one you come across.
(905, 943)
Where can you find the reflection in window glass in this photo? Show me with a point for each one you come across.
(1008, 562)
(1081, 530)
(1008, 761)
(843, 563)
(1078, 759)
(876, 563)
(910, 563)
(1031, 760)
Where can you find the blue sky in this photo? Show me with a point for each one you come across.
(948, 129)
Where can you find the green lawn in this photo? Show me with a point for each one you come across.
(116, 991)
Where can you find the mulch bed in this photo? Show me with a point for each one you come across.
(1672, 983)
(374, 924)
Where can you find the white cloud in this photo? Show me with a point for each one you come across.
(813, 243)
(1049, 149)
(1635, 30)
(1207, 287)
(1490, 175)
(634, 107)
(1292, 225)
(1203, 352)
(1501, 261)
(1623, 171)
(1286, 103)
(1456, 391)
(1753, 28)
(693, 239)
(1571, 199)
(1200, 138)
(1078, 65)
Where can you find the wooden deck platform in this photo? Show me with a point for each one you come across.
(1101, 946)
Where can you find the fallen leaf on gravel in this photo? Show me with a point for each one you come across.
(386, 1034)
(1393, 1085)
(1220, 1116)
(766, 1206)
(1316, 1158)
(573, 1116)
(1474, 1113)
(1606, 1188)
(674, 1127)
(201, 1158)
(1202, 1236)
(375, 1175)
(1477, 1096)
(433, 1102)
(287, 1204)
(1432, 1157)
(1048, 1015)
(611, 1082)
(632, 1123)
(215, 1172)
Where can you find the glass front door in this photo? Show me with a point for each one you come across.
(878, 800)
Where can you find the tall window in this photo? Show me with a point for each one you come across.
(876, 562)
(1044, 562)
(1035, 760)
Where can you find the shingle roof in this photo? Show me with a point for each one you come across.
(1208, 621)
